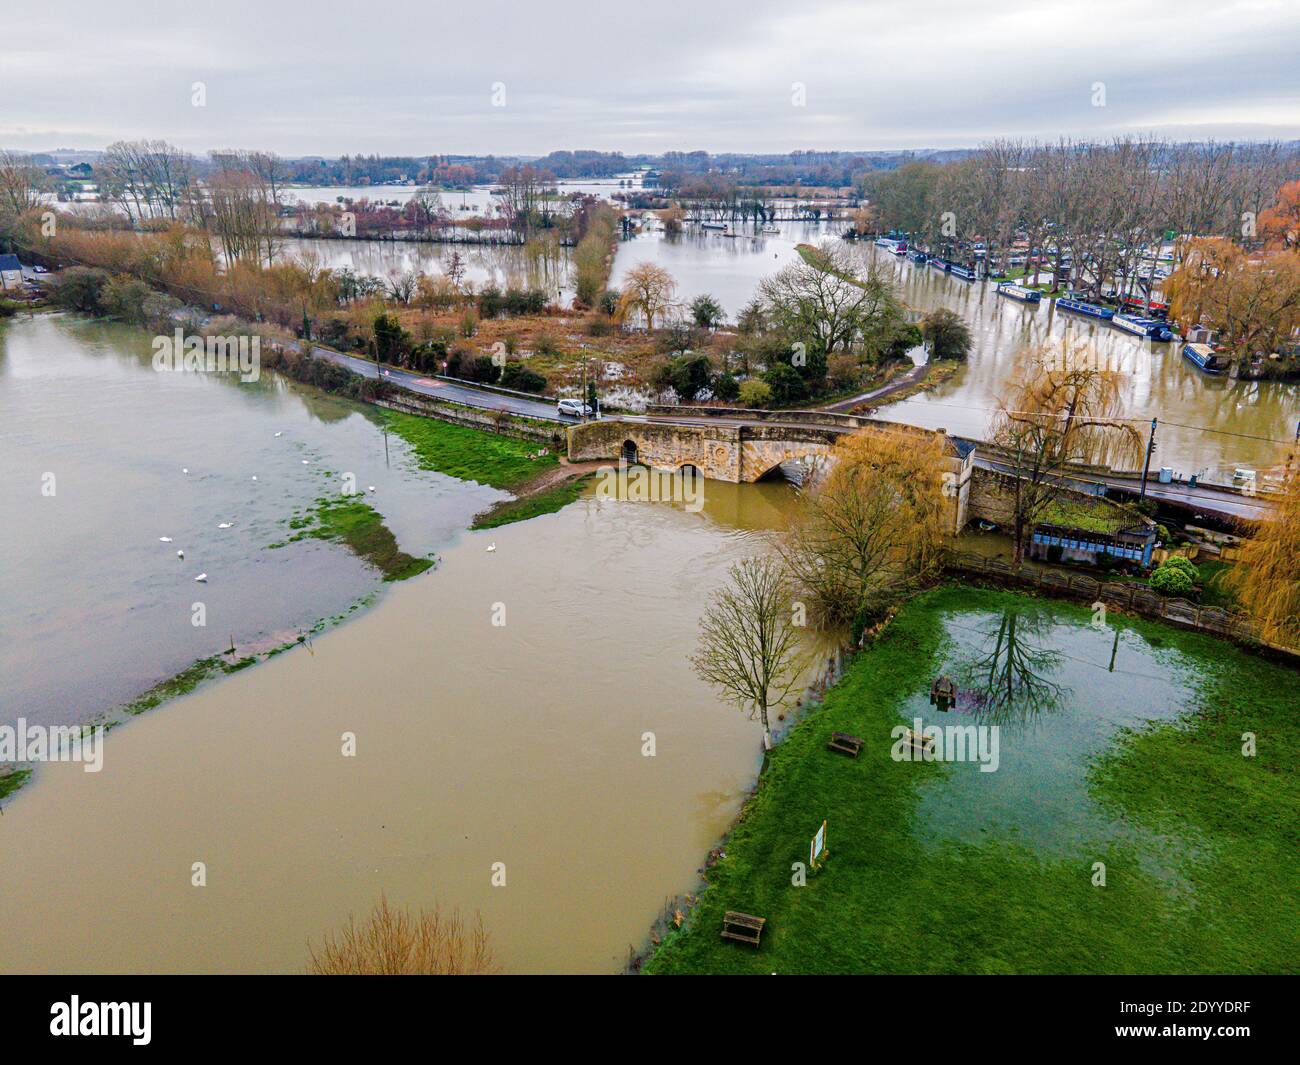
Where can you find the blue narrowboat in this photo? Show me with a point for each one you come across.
(1152, 328)
(964, 272)
(918, 256)
(1019, 292)
(1092, 310)
(1202, 356)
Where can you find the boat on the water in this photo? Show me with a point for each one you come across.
(964, 272)
(918, 256)
(1090, 310)
(939, 264)
(1203, 357)
(719, 226)
(1151, 328)
(1019, 292)
(769, 228)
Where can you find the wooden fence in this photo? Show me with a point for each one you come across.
(1139, 598)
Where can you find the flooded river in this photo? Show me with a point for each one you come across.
(476, 743)
(97, 607)
(1209, 426)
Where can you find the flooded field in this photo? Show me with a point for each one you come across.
(543, 265)
(98, 607)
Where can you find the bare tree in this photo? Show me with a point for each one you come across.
(749, 645)
(395, 942)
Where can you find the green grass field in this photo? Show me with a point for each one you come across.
(893, 899)
(470, 454)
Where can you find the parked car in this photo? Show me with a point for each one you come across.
(573, 408)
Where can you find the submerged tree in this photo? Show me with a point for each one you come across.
(393, 941)
(876, 522)
(649, 290)
(749, 644)
(1065, 414)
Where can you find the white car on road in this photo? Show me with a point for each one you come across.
(573, 408)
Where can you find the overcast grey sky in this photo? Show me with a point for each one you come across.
(401, 77)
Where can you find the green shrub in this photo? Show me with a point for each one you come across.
(1171, 580)
(755, 394)
(81, 288)
(1178, 562)
(726, 388)
(518, 376)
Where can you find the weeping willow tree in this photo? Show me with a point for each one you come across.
(1267, 578)
(877, 521)
(1067, 413)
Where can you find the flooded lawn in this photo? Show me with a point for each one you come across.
(1091, 832)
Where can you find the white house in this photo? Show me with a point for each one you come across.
(11, 273)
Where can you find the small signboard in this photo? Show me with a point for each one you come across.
(819, 845)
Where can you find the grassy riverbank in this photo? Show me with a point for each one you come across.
(470, 454)
(891, 900)
(547, 501)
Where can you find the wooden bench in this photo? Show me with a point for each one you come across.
(919, 742)
(846, 744)
(742, 927)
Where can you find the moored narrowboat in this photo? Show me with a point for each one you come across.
(1203, 357)
(964, 272)
(1091, 310)
(1151, 328)
(1019, 292)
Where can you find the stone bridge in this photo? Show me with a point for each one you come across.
(721, 452)
(745, 446)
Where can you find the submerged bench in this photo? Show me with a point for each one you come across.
(919, 742)
(846, 744)
(742, 927)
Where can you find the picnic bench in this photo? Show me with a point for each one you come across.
(918, 742)
(844, 743)
(742, 927)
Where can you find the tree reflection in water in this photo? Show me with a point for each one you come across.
(1008, 682)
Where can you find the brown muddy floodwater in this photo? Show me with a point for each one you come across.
(475, 744)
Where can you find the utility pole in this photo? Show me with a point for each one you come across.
(1146, 468)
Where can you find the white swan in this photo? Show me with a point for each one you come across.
(180, 554)
(164, 539)
(225, 525)
(202, 577)
(492, 547)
